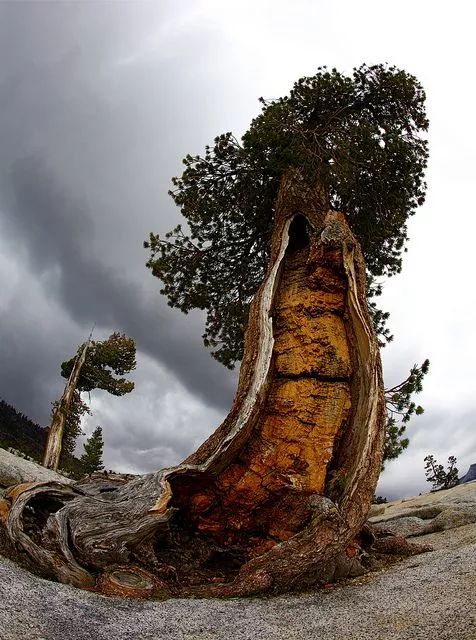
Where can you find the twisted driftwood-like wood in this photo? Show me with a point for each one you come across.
(275, 499)
(55, 435)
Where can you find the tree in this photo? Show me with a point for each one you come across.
(358, 137)
(93, 449)
(436, 474)
(96, 365)
(105, 360)
(56, 431)
(277, 497)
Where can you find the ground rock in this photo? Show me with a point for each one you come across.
(430, 595)
(436, 511)
(15, 470)
(456, 516)
(377, 510)
(426, 596)
(405, 526)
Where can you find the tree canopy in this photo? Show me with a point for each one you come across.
(436, 474)
(359, 137)
(105, 360)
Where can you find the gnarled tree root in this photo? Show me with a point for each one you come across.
(315, 557)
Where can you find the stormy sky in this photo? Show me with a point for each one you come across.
(99, 102)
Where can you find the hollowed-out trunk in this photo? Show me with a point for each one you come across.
(274, 499)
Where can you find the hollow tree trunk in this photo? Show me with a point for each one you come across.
(55, 435)
(274, 499)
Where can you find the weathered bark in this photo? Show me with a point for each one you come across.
(55, 435)
(275, 499)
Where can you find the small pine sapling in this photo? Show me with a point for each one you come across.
(436, 474)
(91, 459)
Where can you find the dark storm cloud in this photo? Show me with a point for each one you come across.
(94, 117)
(57, 231)
(29, 366)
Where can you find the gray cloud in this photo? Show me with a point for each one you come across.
(94, 117)
(92, 128)
(157, 425)
(56, 230)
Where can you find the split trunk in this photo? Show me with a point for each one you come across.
(276, 498)
(55, 436)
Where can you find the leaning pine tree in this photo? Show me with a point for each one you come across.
(96, 365)
(289, 230)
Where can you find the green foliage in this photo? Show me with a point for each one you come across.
(379, 317)
(357, 136)
(71, 467)
(91, 460)
(400, 409)
(115, 356)
(436, 474)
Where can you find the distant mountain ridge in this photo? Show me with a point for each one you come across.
(470, 475)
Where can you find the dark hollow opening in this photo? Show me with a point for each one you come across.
(298, 233)
(36, 514)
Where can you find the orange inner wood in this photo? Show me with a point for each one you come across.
(264, 494)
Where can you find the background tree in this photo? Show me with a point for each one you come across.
(56, 430)
(91, 459)
(436, 474)
(105, 360)
(96, 365)
(359, 138)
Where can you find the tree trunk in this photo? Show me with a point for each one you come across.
(275, 498)
(55, 435)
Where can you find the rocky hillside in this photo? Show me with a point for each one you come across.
(23, 435)
(16, 470)
(429, 514)
(19, 432)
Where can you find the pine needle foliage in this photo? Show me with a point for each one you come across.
(105, 360)
(436, 474)
(400, 408)
(91, 460)
(359, 136)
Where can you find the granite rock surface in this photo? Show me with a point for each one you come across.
(427, 596)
